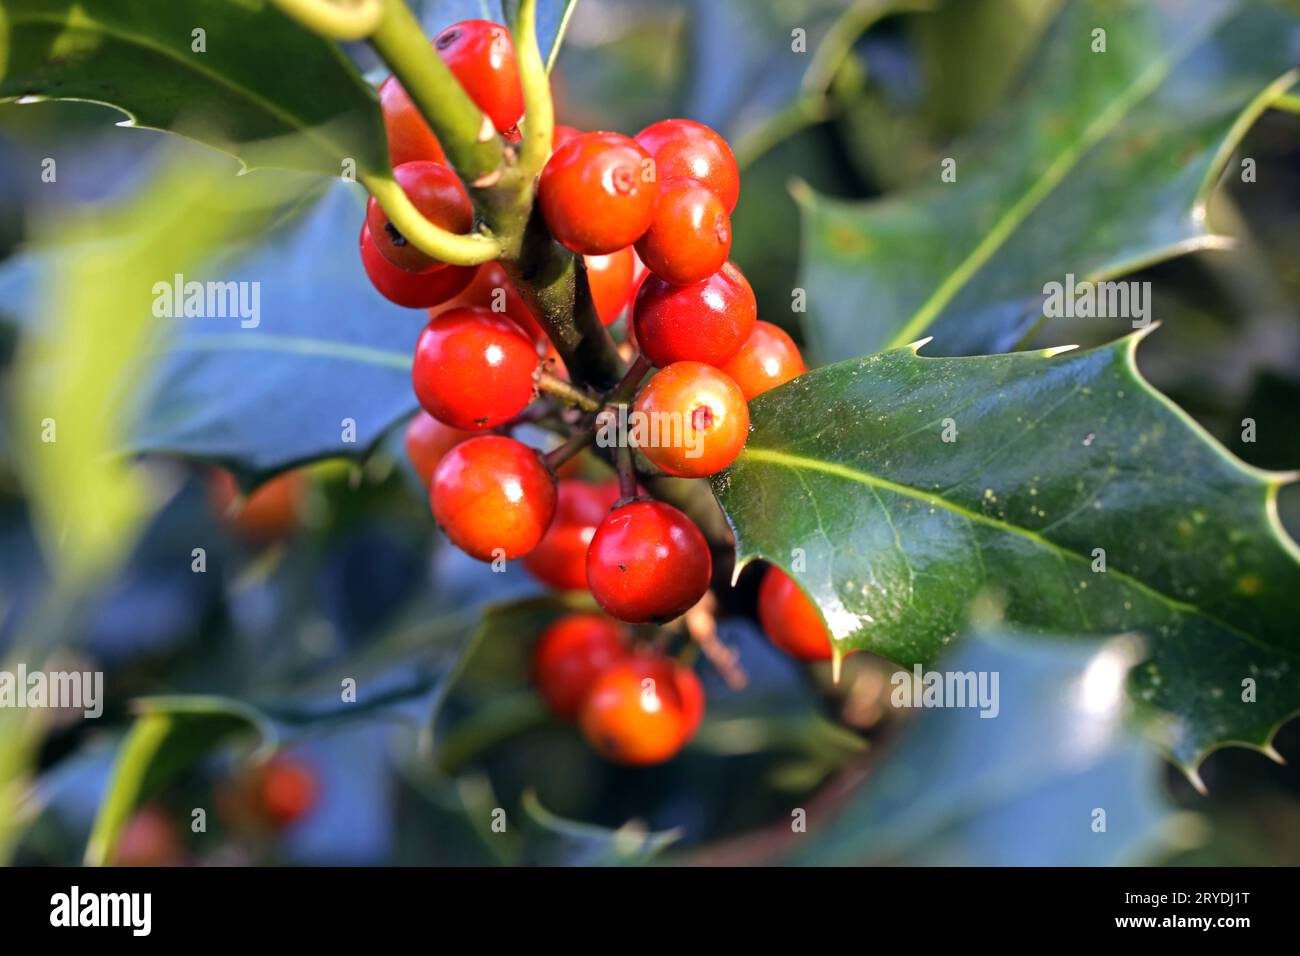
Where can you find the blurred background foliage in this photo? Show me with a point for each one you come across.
(445, 729)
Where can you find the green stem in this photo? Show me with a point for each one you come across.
(345, 20)
(1288, 102)
(468, 250)
(539, 110)
(550, 282)
(466, 135)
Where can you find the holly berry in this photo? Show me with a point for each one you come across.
(598, 193)
(713, 415)
(648, 562)
(768, 358)
(560, 558)
(492, 289)
(705, 322)
(790, 620)
(286, 790)
(642, 710)
(438, 194)
(409, 136)
(562, 135)
(493, 496)
(690, 236)
(473, 368)
(149, 838)
(428, 440)
(610, 279)
(569, 657)
(271, 511)
(482, 56)
(414, 290)
(682, 147)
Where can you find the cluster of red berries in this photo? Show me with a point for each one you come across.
(650, 218)
(634, 706)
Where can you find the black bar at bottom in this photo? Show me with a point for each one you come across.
(331, 905)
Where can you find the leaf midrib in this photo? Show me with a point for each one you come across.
(292, 345)
(835, 469)
(1015, 215)
(127, 38)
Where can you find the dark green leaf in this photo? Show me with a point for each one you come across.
(1020, 789)
(1102, 163)
(848, 482)
(236, 94)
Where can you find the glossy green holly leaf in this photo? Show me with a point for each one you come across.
(1044, 773)
(1103, 162)
(213, 70)
(899, 490)
(170, 735)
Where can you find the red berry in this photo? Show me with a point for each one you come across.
(598, 193)
(703, 408)
(493, 496)
(482, 56)
(790, 620)
(149, 838)
(690, 236)
(273, 510)
(705, 322)
(492, 289)
(610, 278)
(409, 136)
(642, 710)
(473, 369)
(438, 194)
(685, 148)
(428, 440)
(286, 790)
(560, 558)
(414, 290)
(648, 562)
(562, 135)
(768, 358)
(569, 657)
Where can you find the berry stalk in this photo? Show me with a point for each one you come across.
(539, 109)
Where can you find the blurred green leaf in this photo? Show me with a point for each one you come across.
(555, 841)
(779, 63)
(1020, 789)
(492, 670)
(212, 70)
(848, 482)
(89, 342)
(171, 735)
(972, 51)
(1102, 163)
(326, 351)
